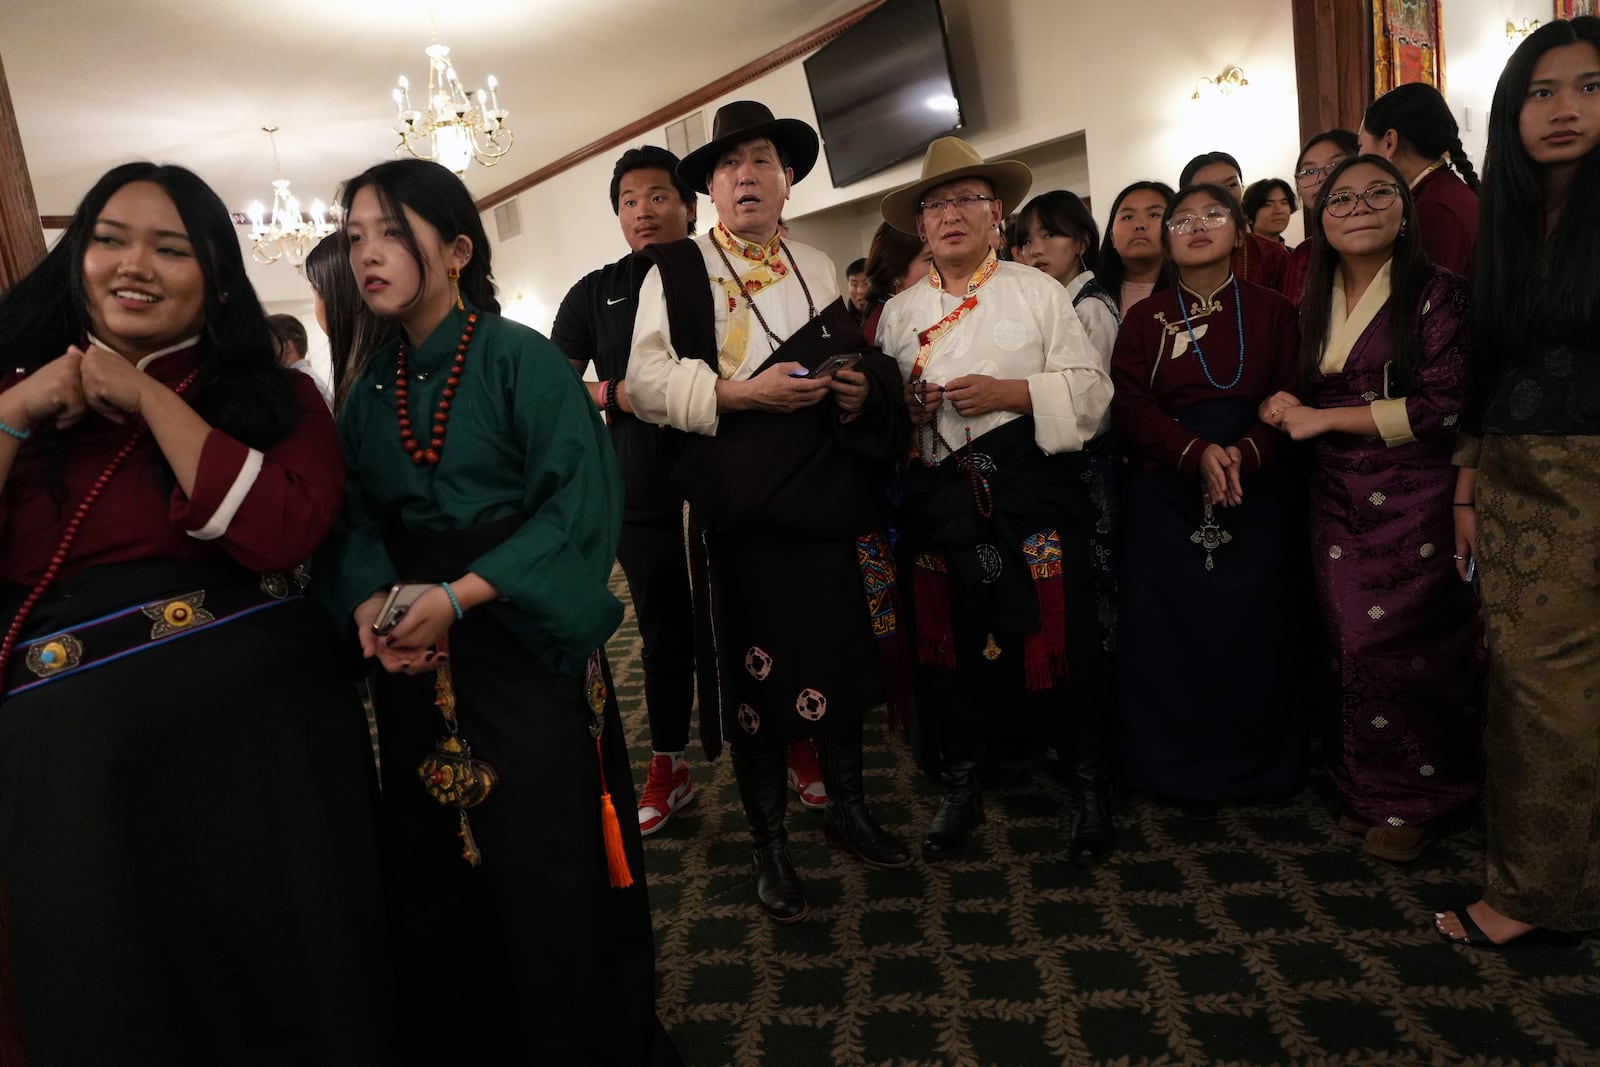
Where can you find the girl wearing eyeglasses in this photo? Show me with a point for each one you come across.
(1383, 369)
(1528, 470)
(1204, 569)
(1317, 159)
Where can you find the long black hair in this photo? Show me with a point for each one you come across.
(1409, 272)
(1541, 285)
(1346, 142)
(1201, 162)
(241, 390)
(1061, 212)
(354, 332)
(1111, 272)
(1418, 114)
(441, 200)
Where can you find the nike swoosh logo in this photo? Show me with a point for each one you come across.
(618, 300)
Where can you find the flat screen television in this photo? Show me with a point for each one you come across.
(884, 88)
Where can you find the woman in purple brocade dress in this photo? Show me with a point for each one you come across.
(1383, 371)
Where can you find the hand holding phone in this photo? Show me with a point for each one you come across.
(833, 364)
(401, 596)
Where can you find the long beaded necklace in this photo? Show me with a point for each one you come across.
(441, 418)
(74, 524)
(811, 307)
(1238, 313)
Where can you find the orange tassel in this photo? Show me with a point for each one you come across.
(616, 858)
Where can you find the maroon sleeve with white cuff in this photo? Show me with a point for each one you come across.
(268, 509)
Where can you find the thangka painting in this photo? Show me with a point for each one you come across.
(1567, 9)
(1408, 43)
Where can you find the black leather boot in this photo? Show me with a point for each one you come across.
(960, 810)
(846, 822)
(1091, 836)
(763, 788)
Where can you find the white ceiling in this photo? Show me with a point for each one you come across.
(96, 83)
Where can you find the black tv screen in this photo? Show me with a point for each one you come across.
(884, 88)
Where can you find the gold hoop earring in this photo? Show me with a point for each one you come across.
(454, 275)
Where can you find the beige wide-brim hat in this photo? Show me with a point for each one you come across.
(947, 159)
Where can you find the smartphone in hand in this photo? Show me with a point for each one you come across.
(401, 596)
(828, 367)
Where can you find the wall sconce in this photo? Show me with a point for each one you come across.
(1224, 84)
(1515, 33)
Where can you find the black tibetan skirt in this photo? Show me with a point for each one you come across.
(188, 840)
(531, 956)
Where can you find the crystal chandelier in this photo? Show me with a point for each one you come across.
(289, 233)
(454, 127)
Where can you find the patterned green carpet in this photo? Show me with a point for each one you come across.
(1266, 937)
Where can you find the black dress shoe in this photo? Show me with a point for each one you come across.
(778, 887)
(1199, 810)
(952, 824)
(1092, 837)
(858, 833)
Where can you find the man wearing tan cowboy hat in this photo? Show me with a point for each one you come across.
(1004, 388)
(741, 340)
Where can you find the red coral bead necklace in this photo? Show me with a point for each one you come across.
(419, 453)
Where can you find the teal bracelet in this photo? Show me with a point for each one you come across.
(451, 593)
(7, 428)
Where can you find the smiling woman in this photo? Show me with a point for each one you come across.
(163, 479)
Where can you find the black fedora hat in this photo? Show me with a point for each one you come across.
(746, 120)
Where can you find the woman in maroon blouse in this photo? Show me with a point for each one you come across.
(1205, 558)
(1412, 127)
(187, 840)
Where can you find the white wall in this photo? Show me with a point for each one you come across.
(1475, 51)
(1030, 73)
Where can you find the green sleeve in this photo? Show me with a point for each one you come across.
(556, 568)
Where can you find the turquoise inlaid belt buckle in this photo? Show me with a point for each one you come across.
(176, 614)
(59, 653)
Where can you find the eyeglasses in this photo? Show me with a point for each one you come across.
(1211, 220)
(966, 203)
(1312, 175)
(1378, 198)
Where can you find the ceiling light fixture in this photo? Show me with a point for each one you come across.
(289, 233)
(1224, 84)
(1515, 33)
(453, 127)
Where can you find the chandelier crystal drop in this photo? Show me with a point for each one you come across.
(288, 232)
(454, 127)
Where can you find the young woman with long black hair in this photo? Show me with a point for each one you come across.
(1204, 580)
(1383, 377)
(1528, 495)
(1131, 256)
(188, 847)
(482, 483)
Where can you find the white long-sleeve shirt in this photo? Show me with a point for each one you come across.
(679, 388)
(1024, 326)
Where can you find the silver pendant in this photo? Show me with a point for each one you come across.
(1210, 536)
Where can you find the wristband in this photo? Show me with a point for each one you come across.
(613, 403)
(454, 603)
(11, 431)
(1468, 504)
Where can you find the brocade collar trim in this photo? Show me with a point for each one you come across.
(747, 250)
(1429, 169)
(1207, 303)
(985, 271)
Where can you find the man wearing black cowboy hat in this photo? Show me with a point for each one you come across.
(1004, 389)
(741, 340)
